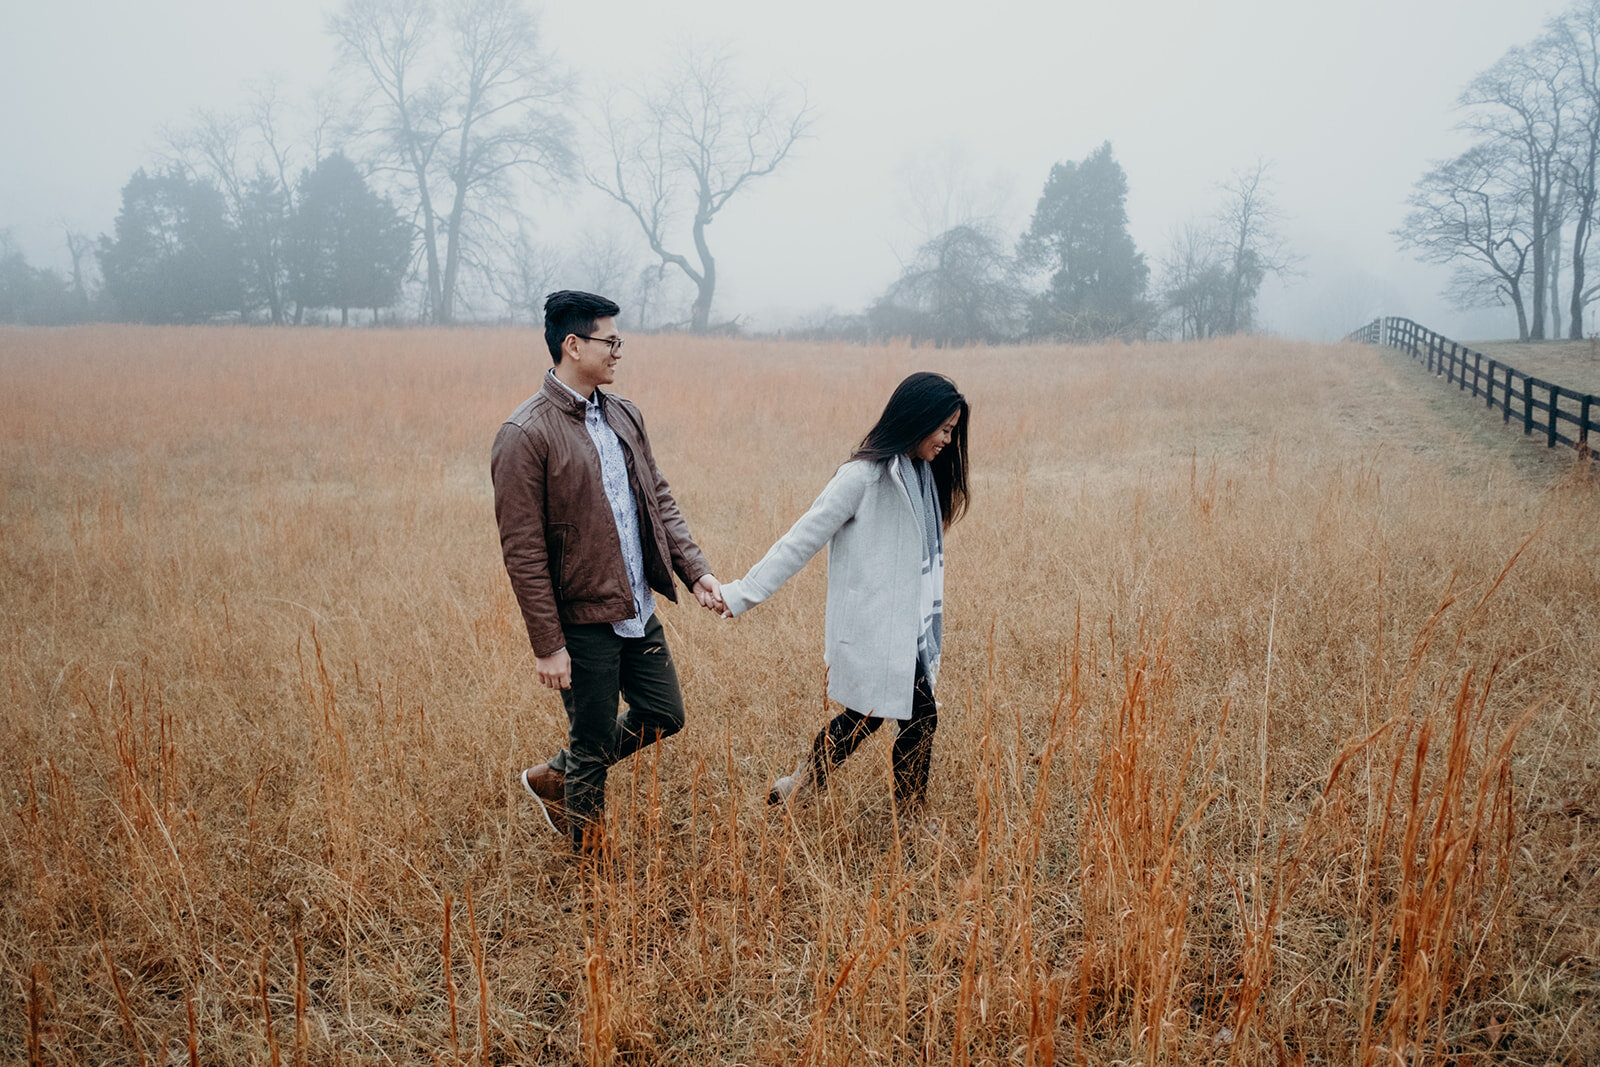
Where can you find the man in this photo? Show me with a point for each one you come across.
(590, 532)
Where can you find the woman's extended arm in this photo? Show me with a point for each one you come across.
(834, 507)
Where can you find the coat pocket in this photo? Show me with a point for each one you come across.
(563, 540)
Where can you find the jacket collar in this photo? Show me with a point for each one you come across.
(567, 400)
(894, 476)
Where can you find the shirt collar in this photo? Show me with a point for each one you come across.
(588, 402)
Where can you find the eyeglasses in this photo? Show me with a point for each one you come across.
(613, 343)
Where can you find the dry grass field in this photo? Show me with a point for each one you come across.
(1572, 364)
(1270, 725)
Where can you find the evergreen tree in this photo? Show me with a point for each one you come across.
(1080, 235)
(33, 296)
(263, 220)
(349, 246)
(174, 257)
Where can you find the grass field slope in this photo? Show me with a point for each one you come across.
(1268, 732)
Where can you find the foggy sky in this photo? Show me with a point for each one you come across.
(1350, 102)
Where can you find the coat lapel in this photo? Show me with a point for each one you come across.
(905, 490)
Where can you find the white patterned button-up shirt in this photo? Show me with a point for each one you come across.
(624, 509)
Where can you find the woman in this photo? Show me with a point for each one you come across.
(883, 517)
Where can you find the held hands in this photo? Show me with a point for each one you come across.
(709, 592)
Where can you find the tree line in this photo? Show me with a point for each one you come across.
(1075, 274)
(453, 113)
(1519, 204)
(183, 251)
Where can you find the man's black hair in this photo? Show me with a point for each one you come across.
(571, 311)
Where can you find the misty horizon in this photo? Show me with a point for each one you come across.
(1344, 115)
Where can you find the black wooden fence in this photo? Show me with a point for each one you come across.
(1536, 403)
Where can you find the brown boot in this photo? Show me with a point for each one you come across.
(549, 788)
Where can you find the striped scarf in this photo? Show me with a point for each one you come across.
(918, 478)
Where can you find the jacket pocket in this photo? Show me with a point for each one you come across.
(563, 540)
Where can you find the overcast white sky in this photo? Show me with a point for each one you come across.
(1350, 101)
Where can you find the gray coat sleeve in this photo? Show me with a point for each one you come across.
(835, 506)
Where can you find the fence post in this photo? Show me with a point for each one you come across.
(1489, 393)
(1583, 421)
(1477, 372)
(1505, 411)
(1555, 402)
(1527, 405)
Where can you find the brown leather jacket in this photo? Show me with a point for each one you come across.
(556, 528)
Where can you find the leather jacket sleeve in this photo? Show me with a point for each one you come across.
(517, 467)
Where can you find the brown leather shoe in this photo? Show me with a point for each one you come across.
(548, 787)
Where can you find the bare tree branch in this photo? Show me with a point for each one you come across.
(693, 142)
(1473, 211)
(467, 103)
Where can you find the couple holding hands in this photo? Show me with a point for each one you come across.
(590, 534)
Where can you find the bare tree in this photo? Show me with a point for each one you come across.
(1577, 36)
(1195, 281)
(1472, 212)
(1559, 207)
(80, 247)
(604, 261)
(529, 274)
(465, 104)
(279, 152)
(942, 189)
(960, 289)
(1247, 229)
(1520, 107)
(697, 137)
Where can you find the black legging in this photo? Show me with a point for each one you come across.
(913, 743)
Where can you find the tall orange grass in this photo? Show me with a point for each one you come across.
(1268, 729)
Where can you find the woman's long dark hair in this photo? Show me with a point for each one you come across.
(918, 407)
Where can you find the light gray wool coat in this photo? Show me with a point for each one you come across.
(865, 517)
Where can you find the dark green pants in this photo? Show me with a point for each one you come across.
(604, 665)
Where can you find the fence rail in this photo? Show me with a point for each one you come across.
(1539, 405)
